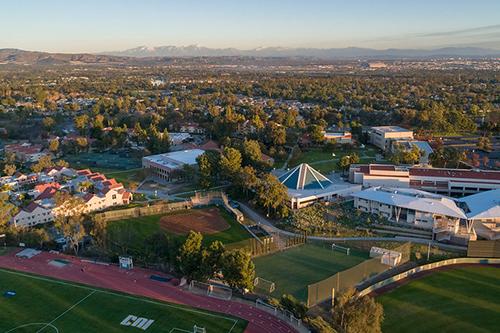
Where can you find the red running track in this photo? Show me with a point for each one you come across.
(137, 282)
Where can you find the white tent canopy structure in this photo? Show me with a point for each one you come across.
(307, 185)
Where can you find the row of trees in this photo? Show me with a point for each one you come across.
(248, 179)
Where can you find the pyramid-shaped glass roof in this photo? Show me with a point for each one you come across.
(303, 177)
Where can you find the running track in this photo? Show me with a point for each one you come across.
(138, 282)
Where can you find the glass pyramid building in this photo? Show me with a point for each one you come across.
(304, 177)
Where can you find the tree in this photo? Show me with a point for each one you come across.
(484, 143)
(345, 161)
(239, 270)
(9, 169)
(247, 179)
(7, 210)
(272, 194)
(275, 134)
(54, 145)
(214, 257)
(293, 305)
(82, 143)
(48, 123)
(43, 163)
(251, 152)
(207, 166)
(443, 157)
(190, 258)
(316, 133)
(353, 314)
(400, 155)
(230, 162)
(81, 123)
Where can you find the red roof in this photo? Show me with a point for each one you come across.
(84, 172)
(210, 145)
(455, 173)
(87, 197)
(48, 193)
(42, 187)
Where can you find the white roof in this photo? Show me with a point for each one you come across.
(413, 199)
(386, 129)
(483, 205)
(176, 158)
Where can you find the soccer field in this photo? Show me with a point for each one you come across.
(465, 299)
(292, 270)
(44, 305)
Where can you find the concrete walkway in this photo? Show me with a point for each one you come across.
(269, 226)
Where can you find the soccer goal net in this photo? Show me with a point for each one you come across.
(342, 249)
(264, 285)
(211, 289)
(199, 329)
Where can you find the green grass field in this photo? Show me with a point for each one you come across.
(465, 299)
(49, 306)
(144, 226)
(292, 270)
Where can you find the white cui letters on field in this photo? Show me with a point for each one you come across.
(139, 322)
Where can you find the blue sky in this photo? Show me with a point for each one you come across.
(105, 25)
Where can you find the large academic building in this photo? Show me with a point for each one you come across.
(162, 167)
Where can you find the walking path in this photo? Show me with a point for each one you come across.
(268, 226)
(137, 282)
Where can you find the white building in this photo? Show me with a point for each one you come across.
(32, 215)
(483, 212)
(307, 186)
(414, 208)
(162, 167)
(383, 136)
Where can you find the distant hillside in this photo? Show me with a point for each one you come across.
(332, 53)
(20, 57)
(172, 54)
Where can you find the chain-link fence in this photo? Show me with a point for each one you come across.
(275, 242)
(324, 290)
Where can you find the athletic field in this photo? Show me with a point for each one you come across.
(292, 270)
(217, 225)
(44, 305)
(465, 299)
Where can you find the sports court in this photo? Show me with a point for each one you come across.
(292, 270)
(45, 305)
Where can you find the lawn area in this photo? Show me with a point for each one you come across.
(144, 226)
(326, 163)
(125, 177)
(74, 308)
(292, 270)
(465, 299)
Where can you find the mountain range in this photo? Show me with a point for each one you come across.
(330, 53)
(164, 54)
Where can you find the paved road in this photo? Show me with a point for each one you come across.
(269, 226)
(138, 282)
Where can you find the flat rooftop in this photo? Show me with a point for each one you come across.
(176, 158)
(386, 129)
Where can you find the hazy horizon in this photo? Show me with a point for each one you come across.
(112, 25)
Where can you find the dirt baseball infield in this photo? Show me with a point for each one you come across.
(207, 221)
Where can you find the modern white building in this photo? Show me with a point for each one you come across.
(415, 208)
(383, 136)
(483, 212)
(307, 186)
(162, 167)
